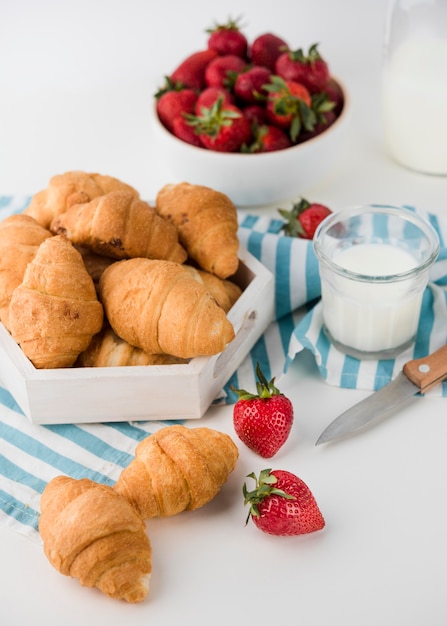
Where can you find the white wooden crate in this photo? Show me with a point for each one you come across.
(139, 393)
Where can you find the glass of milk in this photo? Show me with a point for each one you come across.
(374, 264)
(414, 89)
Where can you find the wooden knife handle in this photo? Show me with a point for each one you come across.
(428, 371)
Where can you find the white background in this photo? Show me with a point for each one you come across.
(76, 85)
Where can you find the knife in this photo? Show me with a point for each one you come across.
(417, 376)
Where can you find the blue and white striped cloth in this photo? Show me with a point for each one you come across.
(30, 454)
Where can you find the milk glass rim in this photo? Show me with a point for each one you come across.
(410, 216)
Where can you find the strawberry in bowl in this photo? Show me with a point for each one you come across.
(269, 126)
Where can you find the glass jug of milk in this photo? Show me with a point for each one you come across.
(414, 89)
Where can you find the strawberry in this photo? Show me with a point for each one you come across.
(324, 121)
(304, 218)
(255, 114)
(268, 139)
(249, 85)
(289, 106)
(191, 72)
(184, 131)
(173, 100)
(222, 127)
(208, 97)
(282, 504)
(228, 39)
(265, 49)
(263, 421)
(311, 70)
(325, 114)
(334, 94)
(223, 70)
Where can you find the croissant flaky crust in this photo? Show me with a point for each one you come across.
(159, 307)
(106, 349)
(177, 469)
(65, 190)
(92, 533)
(207, 223)
(20, 238)
(54, 312)
(225, 292)
(120, 225)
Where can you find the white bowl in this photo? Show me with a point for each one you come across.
(252, 179)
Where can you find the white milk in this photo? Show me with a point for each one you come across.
(368, 316)
(415, 104)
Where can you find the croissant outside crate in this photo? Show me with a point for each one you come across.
(140, 393)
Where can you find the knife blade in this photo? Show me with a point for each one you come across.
(417, 376)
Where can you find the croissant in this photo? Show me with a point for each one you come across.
(224, 291)
(22, 230)
(20, 237)
(91, 533)
(70, 188)
(106, 349)
(207, 223)
(157, 306)
(54, 312)
(120, 225)
(177, 469)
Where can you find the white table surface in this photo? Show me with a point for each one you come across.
(76, 80)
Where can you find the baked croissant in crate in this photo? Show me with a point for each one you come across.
(106, 349)
(92, 533)
(120, 225)
(159, 307)
(223, 291)
(20, 238)
(74, 187)
(207, 223)
(177, 469)
(54, 312)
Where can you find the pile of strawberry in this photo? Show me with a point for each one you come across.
(237, 97)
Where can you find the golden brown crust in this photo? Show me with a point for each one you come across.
(20, 237)
(120, 226)
(91, 533)
(157, 306)
(54, 312)
(223, 291)
(177, 469)
(207, 223)
(65, 190)
(108, 350)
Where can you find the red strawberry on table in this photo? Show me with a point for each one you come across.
(223, 71)
(228, 39)
(282, 504)
(289, 106)
(266, 48)
(191, 71)
(222, 127)
(304, 218)
(311, 70)
(263, 421)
